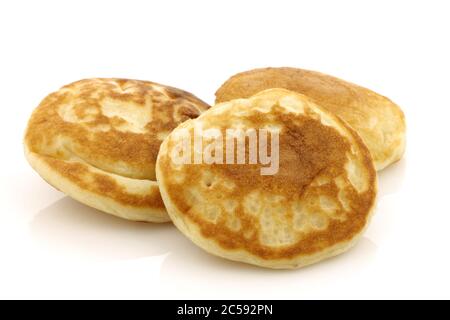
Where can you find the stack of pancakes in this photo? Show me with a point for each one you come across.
(109, 143)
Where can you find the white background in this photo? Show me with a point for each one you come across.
(53, 247)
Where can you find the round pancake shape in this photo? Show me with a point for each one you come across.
(379, 121)
(316, 205)
(97, 141)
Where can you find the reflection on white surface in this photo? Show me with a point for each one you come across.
(71, 228)
(188, 267)
(74, 231)
(391, 179)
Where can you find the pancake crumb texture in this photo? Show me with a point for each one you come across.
(316, 206)
(97, 140)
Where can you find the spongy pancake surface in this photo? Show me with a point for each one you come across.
(97, 140)
(378, 120)
(314, 207)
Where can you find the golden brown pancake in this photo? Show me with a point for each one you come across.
(315, 206)
(379, 121)
(97, 141)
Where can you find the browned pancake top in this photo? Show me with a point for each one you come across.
(378, 120)
(310, 204)
(113, 125)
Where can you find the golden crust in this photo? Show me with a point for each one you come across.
(378, 120)
(316, 206)
(97, 140)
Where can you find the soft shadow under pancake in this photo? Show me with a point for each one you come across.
(72, 229)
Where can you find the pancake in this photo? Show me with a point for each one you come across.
(378, 120)
(316, 205)
(97, 140)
